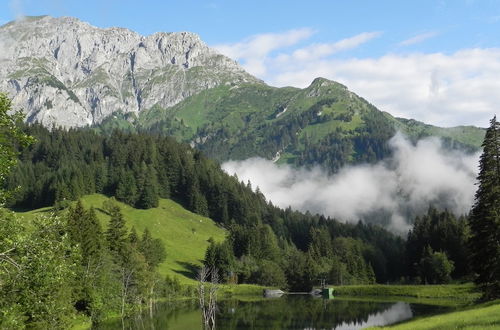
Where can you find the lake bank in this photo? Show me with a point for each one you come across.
(482, 316)
(465, 292)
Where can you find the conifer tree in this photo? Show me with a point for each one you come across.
(117, 238)
(148, 196)
(485, 216)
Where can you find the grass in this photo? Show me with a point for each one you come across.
(464, 292)
(183, 233)
(483, 316)
(233, 290)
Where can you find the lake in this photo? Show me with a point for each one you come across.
(287, 312)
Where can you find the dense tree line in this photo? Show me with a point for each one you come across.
(436, 248)
(367, 144)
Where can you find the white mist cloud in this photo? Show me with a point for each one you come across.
(407, 183)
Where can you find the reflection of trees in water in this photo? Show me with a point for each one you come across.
(163, 315)
(208, 302)
(295, 312)
(419, 310)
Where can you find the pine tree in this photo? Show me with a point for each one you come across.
(76, 215)
(148, 196)
(117, 238)
(485, 216)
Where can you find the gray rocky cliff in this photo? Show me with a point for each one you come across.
(62, 71)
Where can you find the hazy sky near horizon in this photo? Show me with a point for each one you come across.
(435, 61)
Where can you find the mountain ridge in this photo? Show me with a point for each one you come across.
(67, 72)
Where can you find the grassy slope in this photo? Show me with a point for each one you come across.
(483, 316)
(467, 135)
(184, 233)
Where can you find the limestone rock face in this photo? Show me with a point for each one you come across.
(65, 72)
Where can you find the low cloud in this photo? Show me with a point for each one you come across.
(391, 192)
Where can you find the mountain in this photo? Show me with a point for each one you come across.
(66, 72)
(324, 124)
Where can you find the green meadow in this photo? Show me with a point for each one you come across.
(184, 234)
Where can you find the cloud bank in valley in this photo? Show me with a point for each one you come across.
(406, 184)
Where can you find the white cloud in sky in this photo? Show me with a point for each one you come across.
(396, 187)
(418, 38)
(459, 88)
(320, 50)
(253, 51)
(441, 89)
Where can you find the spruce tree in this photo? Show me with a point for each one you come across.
(117, 238)
(485, 216)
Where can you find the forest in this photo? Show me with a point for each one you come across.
(72, 264)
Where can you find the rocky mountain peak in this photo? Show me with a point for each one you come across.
(67, 72)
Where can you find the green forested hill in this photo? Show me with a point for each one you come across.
(184, 234)
(323, 124)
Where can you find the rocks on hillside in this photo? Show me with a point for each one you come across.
(66, 72)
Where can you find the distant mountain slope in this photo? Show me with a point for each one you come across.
(66, 72)
(324, 123)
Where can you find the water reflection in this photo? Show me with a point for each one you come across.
(287, 312)
(398, 312)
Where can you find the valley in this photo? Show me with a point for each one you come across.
(149, 180)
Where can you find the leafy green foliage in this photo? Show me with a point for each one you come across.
(11, 138)
(36, 283)
(434, 267)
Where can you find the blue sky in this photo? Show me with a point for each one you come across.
(436, 61)
(456, 24)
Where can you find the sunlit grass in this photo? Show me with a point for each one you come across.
(464, 292)
(184, 234)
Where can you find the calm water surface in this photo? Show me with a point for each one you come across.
(287, 312)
